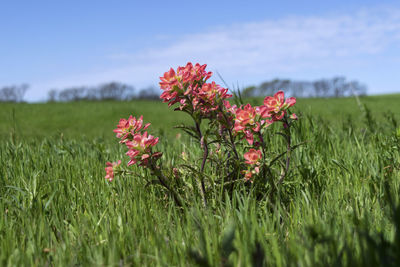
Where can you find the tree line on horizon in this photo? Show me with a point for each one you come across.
(334, 87)
(106, 91)
(13, 93)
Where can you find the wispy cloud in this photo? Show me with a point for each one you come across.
(259, 50)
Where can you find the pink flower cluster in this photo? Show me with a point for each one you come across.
(277, 105)
(253, 158)
(110, 169)
(187, 86)
(206, 99)
(249, 120)
(127, 128)
(139, 143)
(140, 149)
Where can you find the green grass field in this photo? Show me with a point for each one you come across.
(339, 206)
(94, 119)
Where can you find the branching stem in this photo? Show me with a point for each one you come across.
(157, 172)
(230, 133)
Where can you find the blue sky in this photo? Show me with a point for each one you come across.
(56, 44)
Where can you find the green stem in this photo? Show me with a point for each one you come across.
(164, 183)
(288, 150)
(230, 133)
(203, 142)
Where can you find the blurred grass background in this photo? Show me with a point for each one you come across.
(98, 119)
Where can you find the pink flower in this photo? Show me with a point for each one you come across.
(244, 117)
(110, 170)
(247, 175)
(169, 79)
(277, 105)
(142, 142)
(140, 148)
(253, 156)
(128, 127)
(229, 108)
(196, 73)
(210, 91)
(250, 117)
(262, 111)
(177, 85)
(248, 120)
(208, 97)
(249, 136)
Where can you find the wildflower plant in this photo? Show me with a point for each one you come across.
(232, 136)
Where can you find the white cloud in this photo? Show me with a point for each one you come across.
(261, 50)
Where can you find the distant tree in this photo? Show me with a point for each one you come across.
(149, 93)
(52, 95)
(335, 87)
(115, 91)
(321, 88)
(72, 94)
(129, 93)
(112, 90)
(355, 88)
(92, 94)
(270, 87)
(339, 86)
(106, 91)
(302, 89)
(13, 93)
